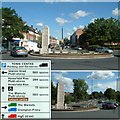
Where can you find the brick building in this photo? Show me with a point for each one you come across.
(74, 38)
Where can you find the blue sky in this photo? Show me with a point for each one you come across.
(101, 79)
(70, 15)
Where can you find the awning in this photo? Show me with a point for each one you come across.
(17, 41)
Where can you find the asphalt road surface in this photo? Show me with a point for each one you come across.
(88, 115)
(74, 64)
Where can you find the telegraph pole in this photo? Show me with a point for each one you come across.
(62, 32)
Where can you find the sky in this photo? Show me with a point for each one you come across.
(60, 0)
(101, 79)
(70, 15)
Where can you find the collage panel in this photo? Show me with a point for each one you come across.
(85, 94)
(82, 42)
(73, 35)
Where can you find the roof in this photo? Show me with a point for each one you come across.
(78, 31)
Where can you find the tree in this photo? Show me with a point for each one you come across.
(40, 41)
(110, 93)
(80, 89)
(95, 95)
(103, 31)
(66, 41)
(101, 95)
(118, 96)
(12, 24)
(53, 93)
(69, 98)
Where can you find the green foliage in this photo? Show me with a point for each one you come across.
(118, 96)
(114, 47)
(80, 89)
(93, 47)
(40, 41)
(69, 98)
(66, 41)
(53, 93)
(102, 31)
(101, 95)
(95, 95)
(110, 93)
(12, 24)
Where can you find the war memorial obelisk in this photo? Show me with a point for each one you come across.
(45, 40)
(60, 96)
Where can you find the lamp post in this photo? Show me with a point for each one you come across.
(62, 32)
(62, 44)
(91, 86)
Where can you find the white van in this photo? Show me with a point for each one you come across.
(31, 46)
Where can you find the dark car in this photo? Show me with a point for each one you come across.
(19, 51)
(77, 48)
(100, 101)
(108, 105)
(116, 104)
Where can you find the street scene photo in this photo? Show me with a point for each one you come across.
(85, 94)
(73, 35)
(69, 52)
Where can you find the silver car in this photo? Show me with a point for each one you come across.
(103, 50)
(2, 50)
(19, 51)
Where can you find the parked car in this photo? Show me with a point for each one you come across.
(19, 51)
(77, 48)
(2, 50)
(100, 101)
(103, 50)
(108, 105)
(116, 104)
(92, 47)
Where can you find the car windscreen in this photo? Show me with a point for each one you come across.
(1, 48)
(20, 48)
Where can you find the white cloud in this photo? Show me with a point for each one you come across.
(81, 26)
(101, 75)
(79, 13)
(116, 12)
(74, 28)
(99, 85)
(40, 24)
(54, 83)
(68, 34)
(92, 20)
(68, 82)
(61, 21)
(106, 85)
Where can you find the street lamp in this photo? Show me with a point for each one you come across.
(62, 32)
(91, 86)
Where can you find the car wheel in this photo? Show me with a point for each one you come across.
(11, 54)
(106, 52)
(26, 55)
(31, 52)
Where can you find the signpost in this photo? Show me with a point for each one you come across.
(25, 89)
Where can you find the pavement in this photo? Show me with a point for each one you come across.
(79, 110)
(75, 56)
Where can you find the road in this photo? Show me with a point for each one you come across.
(74, 64)
(92, 115)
